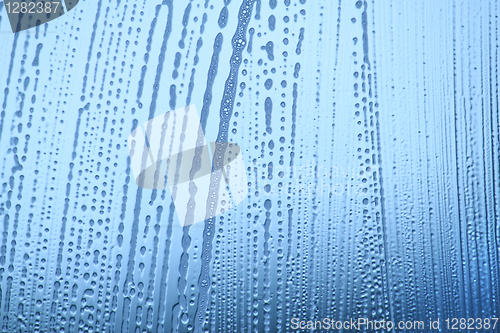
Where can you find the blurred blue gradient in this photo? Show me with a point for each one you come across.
(370, 131)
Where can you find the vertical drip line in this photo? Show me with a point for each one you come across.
(6, 215)
(494, 162)
(207, 100)
(461, 292)
(146, 56)
(483, 278)
(387, 283)
(330, 266)
(152, 110)
(267, 262)
(64, 218)
(226, 109)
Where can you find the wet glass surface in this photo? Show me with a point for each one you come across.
(369, 133)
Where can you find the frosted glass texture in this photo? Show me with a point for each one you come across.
(369, 133)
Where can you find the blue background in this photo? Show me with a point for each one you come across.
(370, 131)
